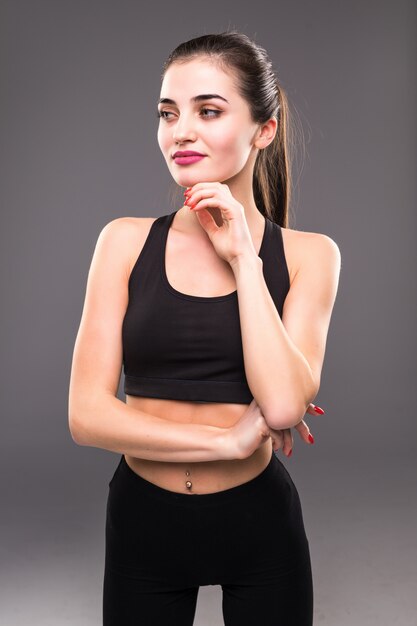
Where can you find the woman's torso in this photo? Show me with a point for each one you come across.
(182, 253)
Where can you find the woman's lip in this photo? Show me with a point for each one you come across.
(187, 160)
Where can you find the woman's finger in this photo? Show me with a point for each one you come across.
(288, 442)
(304, 432)
(277, 439)
(313, 409)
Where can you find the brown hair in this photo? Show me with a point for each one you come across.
(258, 84)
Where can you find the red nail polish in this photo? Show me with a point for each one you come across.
(290, 452)
(311, 438)
(318, 410)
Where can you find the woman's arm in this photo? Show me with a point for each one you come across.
(111, 424)
(96, 416)
(284, 358)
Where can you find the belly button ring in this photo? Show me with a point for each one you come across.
(188, 483)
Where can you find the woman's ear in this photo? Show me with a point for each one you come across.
(266, 133)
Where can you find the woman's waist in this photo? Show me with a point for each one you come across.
(202, 477)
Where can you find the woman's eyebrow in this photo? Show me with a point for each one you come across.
(204, 96)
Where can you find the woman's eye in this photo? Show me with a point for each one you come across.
(216, 113)
(163, 114)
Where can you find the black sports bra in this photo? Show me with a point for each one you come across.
(183, 347)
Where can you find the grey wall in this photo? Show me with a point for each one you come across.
(80, 82)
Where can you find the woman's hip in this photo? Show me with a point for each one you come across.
(257, 522)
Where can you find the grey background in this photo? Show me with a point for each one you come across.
(80, 81)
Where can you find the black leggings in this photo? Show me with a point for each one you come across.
(161, 546)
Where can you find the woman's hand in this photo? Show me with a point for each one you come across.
(284, 439)
(252, 430)
(232, 238)
(248, 433)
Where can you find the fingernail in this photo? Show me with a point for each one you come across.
(318, 409)
(311, 438)
(290, 452)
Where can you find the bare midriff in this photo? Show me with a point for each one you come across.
(197, 477)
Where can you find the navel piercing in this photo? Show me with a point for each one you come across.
(188, 483)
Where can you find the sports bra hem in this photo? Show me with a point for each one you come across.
(189, 390)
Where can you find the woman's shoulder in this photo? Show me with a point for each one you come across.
(129, 224)
(128, 235)
(127, 231)
(300, 247)
(301, 238)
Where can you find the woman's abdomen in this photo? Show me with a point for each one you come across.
(205, 476)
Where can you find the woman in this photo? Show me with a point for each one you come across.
(217, 369)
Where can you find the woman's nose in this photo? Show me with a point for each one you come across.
(183, 131)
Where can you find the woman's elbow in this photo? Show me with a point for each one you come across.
(77, 422)
(281, 417)
(76, 429)
(289, 411)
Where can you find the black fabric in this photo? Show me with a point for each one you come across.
(182, 347)
(161, 546)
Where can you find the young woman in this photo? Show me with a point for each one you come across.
(219, 313)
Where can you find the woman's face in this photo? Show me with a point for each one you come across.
(223, 131)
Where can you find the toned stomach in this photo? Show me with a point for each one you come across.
(204, 476)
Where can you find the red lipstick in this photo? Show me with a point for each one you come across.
(186, 157)
(186, 160)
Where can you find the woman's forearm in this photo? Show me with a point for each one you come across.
(111, 424)
(268, 348)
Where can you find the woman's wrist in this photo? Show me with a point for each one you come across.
(226, 445)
